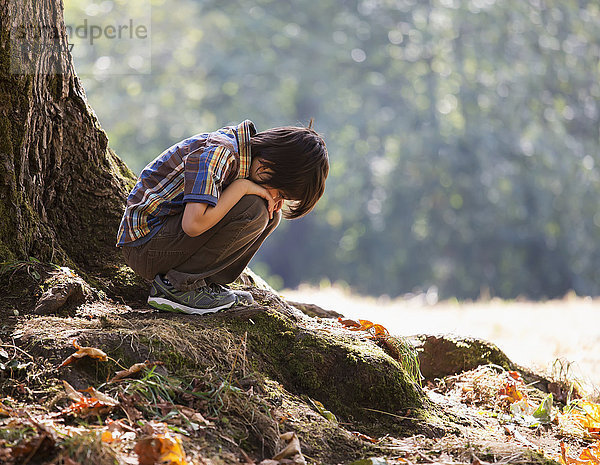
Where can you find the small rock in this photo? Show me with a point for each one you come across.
(314, 310)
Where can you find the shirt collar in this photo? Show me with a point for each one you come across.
(243, 132)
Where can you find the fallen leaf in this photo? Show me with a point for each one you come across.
(133, 369)
(511, 390)
(98, 404)
(101, 396)
(588, 456)
(364, 437)
(376, 330)
(83, 352)
(365, 325)
(516, 376)
(110, 436)
(71, 392)
(583, 417)
(544, 410)
(511, 430)
(291, 450)
(5, 410)
(163, 449)
(87, 407)
(323, 411)
(349, 323)
(380, 331)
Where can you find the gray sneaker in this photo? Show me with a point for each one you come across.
(206, 299)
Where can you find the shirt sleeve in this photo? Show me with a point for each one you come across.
(205, 171)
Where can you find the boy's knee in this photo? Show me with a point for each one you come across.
(254, 208)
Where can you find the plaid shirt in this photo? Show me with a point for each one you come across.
(196, 169)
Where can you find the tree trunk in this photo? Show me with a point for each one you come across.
(62, 188)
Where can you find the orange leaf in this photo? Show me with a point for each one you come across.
(365, 324)
(380, 331)
(364, 437)
(88, 406)
(97, 404)
(133, 369)
(586, 457)
(583, 415)
(83, 352)
(164, 449)
(516, 376)
(110, 436)
(349, 323)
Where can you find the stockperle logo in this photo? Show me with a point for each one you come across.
(94, 32)
(103, 37)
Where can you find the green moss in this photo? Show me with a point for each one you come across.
(5, 252)
(6, 146)
(448, 355)
(346, 375)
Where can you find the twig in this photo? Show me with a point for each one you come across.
(12, 346)
(43, 436)
(390, 414)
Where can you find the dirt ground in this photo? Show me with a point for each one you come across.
(211, 397)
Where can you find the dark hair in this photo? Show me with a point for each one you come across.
(297, 162)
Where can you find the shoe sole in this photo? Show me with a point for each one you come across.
(169, 306)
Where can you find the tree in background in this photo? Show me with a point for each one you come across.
(463, 134)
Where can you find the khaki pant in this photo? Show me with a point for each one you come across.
(218, 255)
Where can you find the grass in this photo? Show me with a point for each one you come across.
(86, 447)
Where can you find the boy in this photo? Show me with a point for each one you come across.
(202, 208)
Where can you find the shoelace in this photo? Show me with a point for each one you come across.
(216, 287)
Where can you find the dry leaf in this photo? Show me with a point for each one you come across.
(110, 436)
(98, 404)
(349, 323)
(364, 325)
(133, 369)
(87, 407)
(364, 437)
(163, 449)
(583, 420)
(101, 396)
(377, 331)
(380, 331)
(590, 416)
(588, 456)
(71, 392)
(83, 352)
(511, 430)
(511, 391)
(292, 450)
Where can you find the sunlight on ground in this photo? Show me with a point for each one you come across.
(532, 334)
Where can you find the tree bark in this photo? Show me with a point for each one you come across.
(62, 189)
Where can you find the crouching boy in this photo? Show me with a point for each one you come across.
(201, 209)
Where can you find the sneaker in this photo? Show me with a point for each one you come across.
(206, 299)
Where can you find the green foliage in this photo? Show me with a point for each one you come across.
(463, 134)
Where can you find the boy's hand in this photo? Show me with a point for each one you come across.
(251, 188)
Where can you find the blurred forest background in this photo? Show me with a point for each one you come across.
(463, 134)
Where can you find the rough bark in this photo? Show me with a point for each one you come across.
(62, 188)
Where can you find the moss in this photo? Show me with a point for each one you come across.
(5, 252)
(441, 356)
(346, 375)
(6, 146)
(535, 457)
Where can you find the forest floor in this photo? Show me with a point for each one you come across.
(70, 394)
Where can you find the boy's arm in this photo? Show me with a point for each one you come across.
(200, 217)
